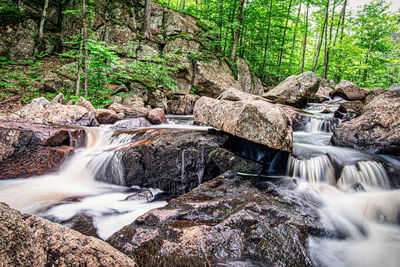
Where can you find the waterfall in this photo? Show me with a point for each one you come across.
(318, 125)
(315, 170)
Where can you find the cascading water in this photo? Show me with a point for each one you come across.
(359, 210)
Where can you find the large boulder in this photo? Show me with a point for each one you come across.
(212, 78)
(295, 90)
(377, 130)
(171, 160)
(106, 116)
(27, 149)
(349, 110)
(41, 111)
(255, 120)
(348, 91)
(27, 240)
(130, 110)
(228, 221)
(244, 75)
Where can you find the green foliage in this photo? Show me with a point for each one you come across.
(10, 13)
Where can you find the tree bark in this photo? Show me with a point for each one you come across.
(267, 38)
(85, 51)
(284, 36)
(43, 20)
(305, 39)
(147, 17)
(237, 35)
(322, 36)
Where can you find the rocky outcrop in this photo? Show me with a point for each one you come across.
(24, 45)
(130, 110)
(255, 120)
(182, 105)
(377, 130)
(171, 160)
(106, 116)
(27, 240)
(27, 150)
(212, 78)
(349, 110)
(41, 111)
(228, 221)
(348, 91)
(295, 90)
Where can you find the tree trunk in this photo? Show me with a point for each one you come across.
(85, 51)
(295, 31)
(284, 36)
(344, 14)
(305, 39)
(80, 71)
(147, 17)
(42, 20)
(327, 47)
(237, 35)
(267, 38)
(322, 36)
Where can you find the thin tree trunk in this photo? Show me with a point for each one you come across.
(267, 38)
(85, 51)
(221, 21)
(295, 31)
(237, 35)
(344, 15)
(80, 71)
(305, 39)
(43, 20)
(322, 36)
(230, 19)
(284, 36)
(147, 17)
(327, 47)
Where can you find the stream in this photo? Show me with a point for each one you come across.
(360, 208)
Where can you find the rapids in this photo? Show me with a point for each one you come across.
(360, 209)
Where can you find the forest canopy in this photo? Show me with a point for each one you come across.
(279, 38)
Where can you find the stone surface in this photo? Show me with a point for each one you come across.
(295, 90)
(156, 116)
(175, 161)
(377, 129)
(256, 120)
(182, 105)
(212, 78)
(258, 87)
(244, 76)
(42, 112)
(27, 240)
(176, 23)
(131, 110)
(23, 47)
(348, 91)
(58, 99)
(130, 124)
(394, 87)
(106, 116)
(349, 110)
(86, 104)
(27, 149)
(228, 221)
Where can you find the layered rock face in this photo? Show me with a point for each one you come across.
(27, 240)
(377, 129)
(255, 120)
(295, 90)
(228, 221)
(27, 149)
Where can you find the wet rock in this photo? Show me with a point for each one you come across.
(132, 110)
(227, 160)
(171, 160)
(82, 223)
(377, 129)
(212, 78)
(27, 240)
(145, 195)
(227, 219)
(348, 91)
(295, 90)
(349, 110)
(255, 120)
(27, 150)
(23, 47)
(182, 105)
(156, 116)
(130, 124)
(106, 116)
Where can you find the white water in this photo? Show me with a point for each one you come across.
(103, 202)
(366, 223)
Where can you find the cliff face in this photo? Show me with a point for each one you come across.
(119, 24)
